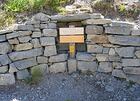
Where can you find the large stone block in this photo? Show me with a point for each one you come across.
(102, 57)
(130, 62)
(25, 54)
(23, 74)
(24, 46)
(96, 21)
(135, 32)
(4, 59)
(92, 29)
(87, 66)
(36, 43)
(3, 69)
(105, 67)
(122, 24)
(50, 32)
(13, 41)
(52, 25)
(24, 33)
(137, 53)
(84, 56)
(2, 38)
(125, 51)
(47, 41)
(50, 50)
(22, 27)
(125, 40)
(36, 34)
(72, 65)
(24, 39)
(7, 79)
(13, 68)
(58, 58)
(58, 67)
(42, 59)
(132, 70)
(5, 48)
(94, 49)
(118, 73)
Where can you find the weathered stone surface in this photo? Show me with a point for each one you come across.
(12, 35)
(24, 46)
(112, 51)
(135, 32)
(130, 62)
(117, 65)
(69, 18)
(32, 22)
(72, 65)
(23, 74)
(42, 59)
(36, 43)
(97, 39)
(24, 33)
(47, 41)
(43, 26)
(94, 49)
(122, 24)
(52, 25)
(4, 59)
(41, 17)
(132, 70)
(96, 16)
(58, 67)
(12, 68)
(110, 45)
(134, 78)
(84, 56)
(105, 67)
(137, 53)
(102, 57)
(2, 38)
(96, 21)
(87, 66)
(22, 27)
(25, 54)
(125, 51)
(5, 32)
(118, 73)
(23, 64)
(4, 48)
(7, 79)
(58, 58)
(13, 41)
(125, 40)
(92, 29)
(50, 32)
(106, 50)
(24, 39)
(50, 50)
(3, 69)
(118, 30)
(114, 58)
(36, 34)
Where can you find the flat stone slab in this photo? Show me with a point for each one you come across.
(84, 56)
(24, 46)
(7, 79)
(47, 41)
(93, 30)
(50, 32)
(132, 70)
(118, 73)
(122, 24)
(50, 50)
(5, 48)
(2, 38)
(58, 58)
(105, 67)
(4, 59)
(130, 62)
(96, 21)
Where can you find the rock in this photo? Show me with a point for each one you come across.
(42, 59)
(3, 69)
(135, 32)
(125, 51)
(24, 39)
(106, 50)
(122, 24)
(137, 53)
(32, 22)
(12, 35)
(94, 49)
(24, 46)
(92, 29)
(47, 41)
(4, 59)
(132, 70)
(130, 62)
(72, 65)
(23, 74)
(118, 30)
(22, 27)
(43, 26)
(24, 33)
(112, 51)
(25, 54)
(114, 58)
(13, 41)
(58, 58)
(134, 78)
(2, 32)
(41, 17)
(118, 73)
(12, 68)
(36, 34)
(58, 67)
(84, 57)
(101, 39)
(4, 48)
(105, 67)
(96, 21)
(96, 16)
(50, 32)
(102, 57)
(7, 79)
(70, 18)
(50, 50)
(87, 66)
(125, 40)
(23, 64)
(117, 65)
(52, 26)
(36, 43)
(2, 38)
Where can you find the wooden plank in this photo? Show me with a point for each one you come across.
(71, 31)
(72, 39)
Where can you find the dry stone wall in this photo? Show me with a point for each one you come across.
(111, 47)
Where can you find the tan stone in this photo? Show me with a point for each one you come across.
(25, 46)
(13, 41)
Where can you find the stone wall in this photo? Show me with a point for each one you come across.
(111, 47)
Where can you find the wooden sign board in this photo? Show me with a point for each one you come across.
(71, 35)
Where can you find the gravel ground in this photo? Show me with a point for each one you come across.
(75, 87)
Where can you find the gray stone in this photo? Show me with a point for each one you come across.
(87, 66)
(58, 67)
(22, 27)
(7, 79)
(12, 35)
(105, 67)
(125, 51)
(92, 29)
(130, 62)
(23, 64)
(4, 59)
(52, 25)
(137, 53)
(42, 59)
(102, 57)
(72, 65)
(96, 16)
(84, 56)
(24, 33)
(118, 73)
(122, 24)
(132, 70)
(134, 78)
(96, 21)
(114, 58)
(3, 69)
(24, 39)
(2, 38)
(94, 49)
(50, 50)
(12, 68)
(135, 32)
(105, 50)
(117, 65)
(32, 22)
(24, 46)
(36, 34)
(13, 41)
(5, 32)
(58, 58)
(41, 17)
(112, 51)
(47, 41)
(25, 54)
(118, 30)
(4, 48)
(125, 40)
(50, 32)
(43, 26)
(23, 74)
(36, 43)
